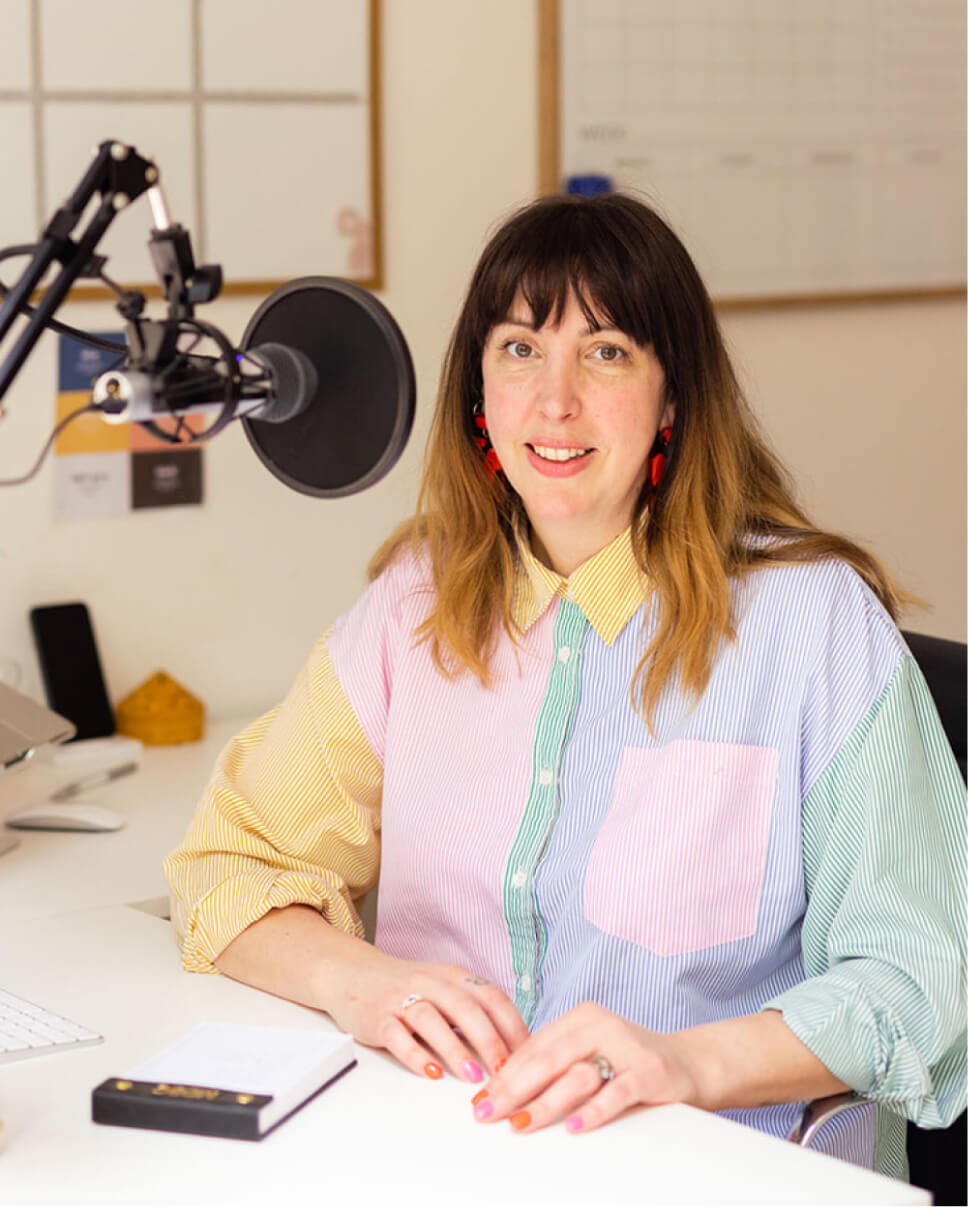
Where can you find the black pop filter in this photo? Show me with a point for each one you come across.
(358, 422)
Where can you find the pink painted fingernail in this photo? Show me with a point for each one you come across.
(483, 1110)
(472, 1070)
(574, 1123)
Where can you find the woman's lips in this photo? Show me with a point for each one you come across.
(559, 469)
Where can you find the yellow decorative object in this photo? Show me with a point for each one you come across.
(161, 713)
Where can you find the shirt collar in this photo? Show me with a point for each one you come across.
(609, 588)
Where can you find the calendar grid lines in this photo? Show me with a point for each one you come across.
(799, 148)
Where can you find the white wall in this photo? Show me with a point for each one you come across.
(866, 403)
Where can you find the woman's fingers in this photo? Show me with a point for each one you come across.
(436, 1015)
(585, 1069)
(426, 1020)
(530, 1111)
(547, 1057)
(580, 1099)
(505, 1016)
(455, 1020)
(613, 1099)
(399, 1041)
(490, 1021)
(482, 1014)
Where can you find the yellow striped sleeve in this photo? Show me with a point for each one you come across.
(290, 816)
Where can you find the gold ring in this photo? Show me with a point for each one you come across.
(410, 1000)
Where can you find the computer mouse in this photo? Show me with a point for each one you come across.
(64, 815)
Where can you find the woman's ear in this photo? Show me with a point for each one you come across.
(668, 416)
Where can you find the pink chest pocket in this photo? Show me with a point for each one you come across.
(678, 863)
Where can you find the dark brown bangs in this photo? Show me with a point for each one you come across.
(625, 266)
(562, 246)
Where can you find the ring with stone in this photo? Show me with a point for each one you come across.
(602, 1066)
(410, 1000)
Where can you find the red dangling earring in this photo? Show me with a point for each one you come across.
(657, 459)
(483, 441)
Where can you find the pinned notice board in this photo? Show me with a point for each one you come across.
(262, 118)
(803, 150)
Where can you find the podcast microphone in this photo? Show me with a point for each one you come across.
(322, 382)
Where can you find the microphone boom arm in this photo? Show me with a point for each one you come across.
(120, 175)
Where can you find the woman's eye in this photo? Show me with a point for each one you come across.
(518, 348)
(609, 352)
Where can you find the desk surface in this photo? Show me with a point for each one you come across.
(52, 871)
(69, 939)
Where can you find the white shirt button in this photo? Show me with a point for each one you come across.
(519, 879)
(564, 653)
(524, 983)
(545, 777)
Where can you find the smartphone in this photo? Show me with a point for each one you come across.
(71, 668)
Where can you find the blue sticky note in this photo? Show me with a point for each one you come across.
(589, 185)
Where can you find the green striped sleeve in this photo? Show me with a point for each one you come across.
(884, 839)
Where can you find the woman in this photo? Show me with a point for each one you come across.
(666, 810)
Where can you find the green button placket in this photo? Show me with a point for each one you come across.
(526, 927)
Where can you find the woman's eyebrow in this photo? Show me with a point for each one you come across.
(511, 321)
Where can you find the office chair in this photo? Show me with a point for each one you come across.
(937, 1157)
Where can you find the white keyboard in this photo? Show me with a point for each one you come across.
(29, 1030)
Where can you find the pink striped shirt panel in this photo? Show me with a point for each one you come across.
(679, 862)
(445, 838)
(364, 645)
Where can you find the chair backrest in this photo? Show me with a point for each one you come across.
(937, 1158)
(944, 665)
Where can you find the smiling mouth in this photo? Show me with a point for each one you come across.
(559, 454)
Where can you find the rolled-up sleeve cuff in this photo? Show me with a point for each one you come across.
(855, 1040)
(225, 912)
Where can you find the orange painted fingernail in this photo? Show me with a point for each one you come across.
(500, 1064)
(478, 1097)
(434, 1072)
(520, 1120)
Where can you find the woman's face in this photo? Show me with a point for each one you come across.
(572, 414)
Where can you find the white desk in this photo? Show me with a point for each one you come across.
(379, 1135)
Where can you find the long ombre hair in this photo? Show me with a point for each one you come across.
(724, 504)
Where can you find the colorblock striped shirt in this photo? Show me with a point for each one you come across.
(794, 840)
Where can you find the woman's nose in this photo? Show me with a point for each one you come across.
(558, 396)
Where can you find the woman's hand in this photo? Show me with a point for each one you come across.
(559, 1074)
(590, 1066)
(429, 1016)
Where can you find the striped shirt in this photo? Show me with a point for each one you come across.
(794, 839)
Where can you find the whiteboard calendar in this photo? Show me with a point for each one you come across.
(799, 147)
